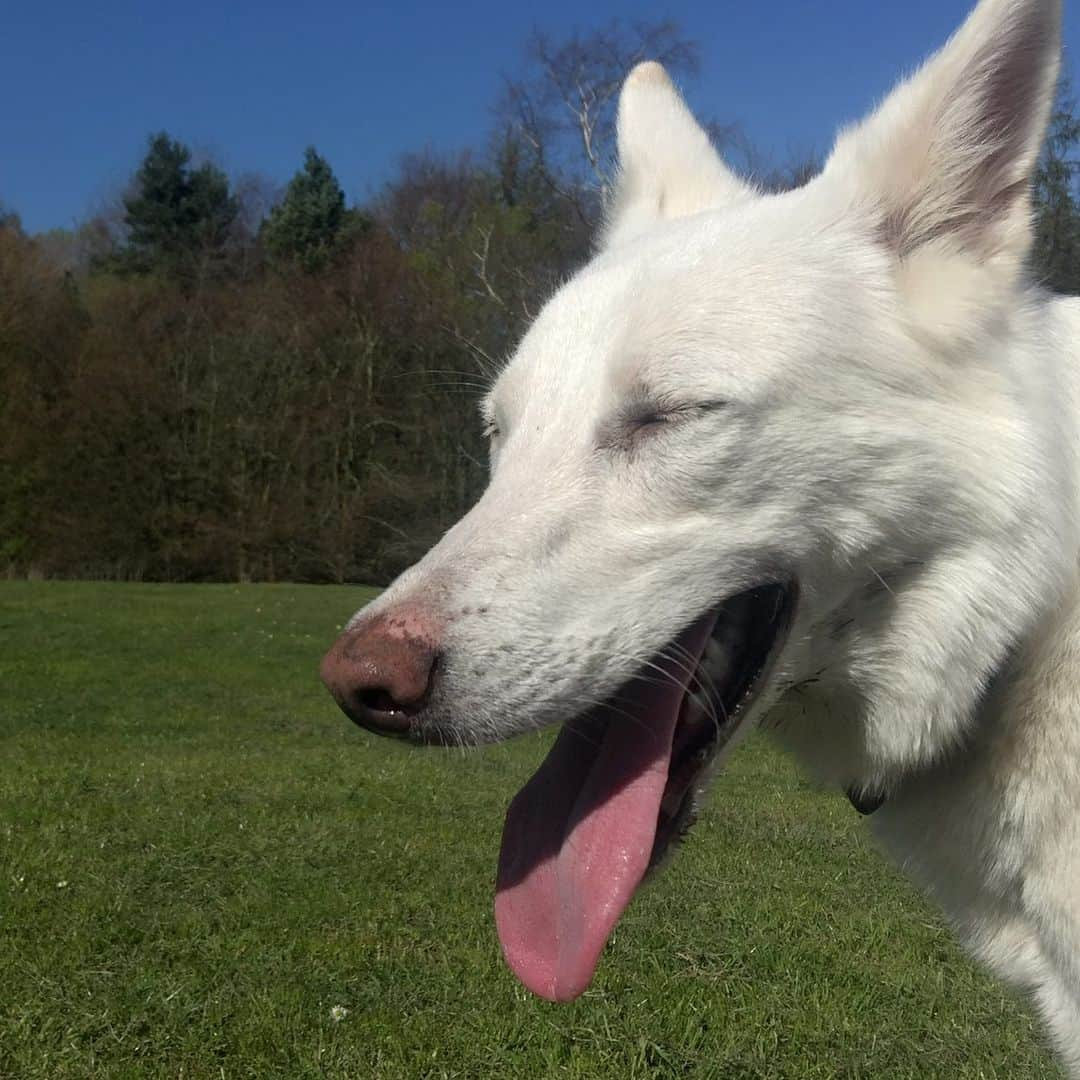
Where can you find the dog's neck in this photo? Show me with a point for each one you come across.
(1028, 721)
(869, 802)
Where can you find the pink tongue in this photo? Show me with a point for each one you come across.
(579, 836)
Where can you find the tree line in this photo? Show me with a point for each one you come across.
(217, 381)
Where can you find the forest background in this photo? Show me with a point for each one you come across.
(212, 379)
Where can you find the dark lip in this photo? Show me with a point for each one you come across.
(697, 754)
(444, 735)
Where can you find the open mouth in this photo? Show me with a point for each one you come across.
(619, 787)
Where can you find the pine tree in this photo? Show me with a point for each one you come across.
(177, 217)
(1056, 256)
(311, 223)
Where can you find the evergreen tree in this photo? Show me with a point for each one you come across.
(177, 217)
(311, 223)
(1057, 239)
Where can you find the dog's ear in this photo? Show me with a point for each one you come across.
(945, 166)
(668, 166)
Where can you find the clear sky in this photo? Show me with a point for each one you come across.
(81, 84)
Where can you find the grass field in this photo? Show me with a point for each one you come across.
(202, 864)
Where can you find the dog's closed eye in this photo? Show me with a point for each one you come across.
(641, 421)
(635, 421)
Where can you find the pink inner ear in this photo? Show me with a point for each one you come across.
(1012, 80)
(953, 152)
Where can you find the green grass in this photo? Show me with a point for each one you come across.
(200, 858)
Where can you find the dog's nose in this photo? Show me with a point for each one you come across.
(380, 673)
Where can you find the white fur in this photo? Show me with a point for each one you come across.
(899, 433)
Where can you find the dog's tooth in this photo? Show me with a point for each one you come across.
(717, 660)
(696, 706)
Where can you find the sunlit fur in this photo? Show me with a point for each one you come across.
(864, 392)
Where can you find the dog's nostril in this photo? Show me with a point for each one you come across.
(380, 701)
(382, 680)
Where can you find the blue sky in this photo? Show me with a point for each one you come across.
(81, 85)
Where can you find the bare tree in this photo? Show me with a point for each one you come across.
(564, 107)
(256, 195)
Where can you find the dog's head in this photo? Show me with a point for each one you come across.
(759, 447)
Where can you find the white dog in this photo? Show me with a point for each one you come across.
(811, 457)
